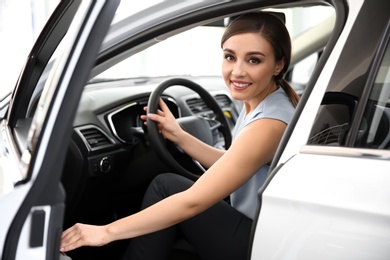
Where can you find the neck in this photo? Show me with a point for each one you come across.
(251, 105)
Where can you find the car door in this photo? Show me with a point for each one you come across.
(36, 125)
(330, 199)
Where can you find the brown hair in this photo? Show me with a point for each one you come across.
(275, 32)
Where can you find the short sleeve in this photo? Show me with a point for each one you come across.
(276, 106)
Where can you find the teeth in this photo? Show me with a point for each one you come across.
(240, 85)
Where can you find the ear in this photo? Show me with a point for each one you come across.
(279, 66)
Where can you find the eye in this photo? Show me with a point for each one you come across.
(229, 57)
(254, 61)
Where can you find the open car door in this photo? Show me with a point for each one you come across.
(36, 128)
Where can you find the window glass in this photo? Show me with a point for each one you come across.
(374, 131)
(29, 126)
(334, 124)
(304, 68)
(191, 49)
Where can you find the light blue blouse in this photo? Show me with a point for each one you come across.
(277, 105)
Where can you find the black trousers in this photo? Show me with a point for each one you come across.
(220, 232)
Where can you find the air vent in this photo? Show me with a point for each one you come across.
(197, 105)
(223, 101)
(95, 138)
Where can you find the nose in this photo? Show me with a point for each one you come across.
(238, 69)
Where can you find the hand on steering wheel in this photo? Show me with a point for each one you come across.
(200, 127)
(166, 122)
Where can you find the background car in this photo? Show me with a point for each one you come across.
(73, 147)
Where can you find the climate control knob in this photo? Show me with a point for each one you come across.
(105, 165)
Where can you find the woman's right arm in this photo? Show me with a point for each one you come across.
(198, 150)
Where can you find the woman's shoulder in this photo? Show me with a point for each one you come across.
(277, 106)
(277, 95)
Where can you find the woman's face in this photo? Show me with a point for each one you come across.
(249, 67)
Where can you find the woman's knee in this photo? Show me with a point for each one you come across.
(163, 179)
(163, 186)
(170, 183)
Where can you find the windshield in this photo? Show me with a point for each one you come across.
(197, 52)
(188, 53)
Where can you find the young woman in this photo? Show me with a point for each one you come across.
(256, 54)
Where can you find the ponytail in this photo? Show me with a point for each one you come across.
(294, 97)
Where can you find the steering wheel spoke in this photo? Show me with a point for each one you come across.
(214, 124)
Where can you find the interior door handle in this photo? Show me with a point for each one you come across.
(37, 228)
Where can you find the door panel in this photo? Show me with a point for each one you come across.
(38, 197)
(333, 208)
(34, 234)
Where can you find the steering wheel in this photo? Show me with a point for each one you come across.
(200, 127)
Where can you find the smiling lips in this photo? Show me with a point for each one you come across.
(240, 85)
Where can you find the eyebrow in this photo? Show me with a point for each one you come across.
(249, 53)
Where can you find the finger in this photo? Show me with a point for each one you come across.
(66, 244)
(154, 117)
(146, 109)
(144, 118)
(71, 246)
(67, 234)
(74, 239)
(68, 230)
(165, 109)
(160, 113)
(163, 105)
(68, 237)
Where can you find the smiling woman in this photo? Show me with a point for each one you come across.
(257, 51)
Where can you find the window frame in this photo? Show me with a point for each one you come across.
(384, 46)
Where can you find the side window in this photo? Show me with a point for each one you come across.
(304, 68)
(339, 117)
(333, 132)
(333, 119)
(374, 131)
